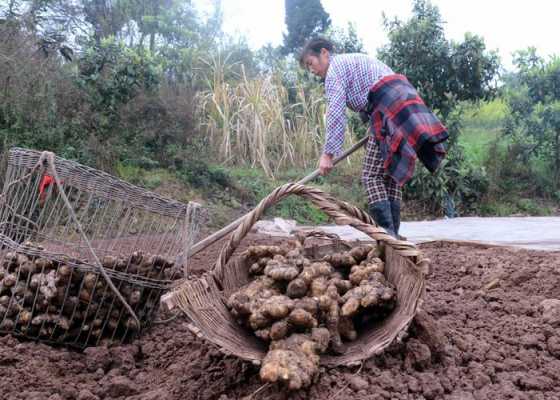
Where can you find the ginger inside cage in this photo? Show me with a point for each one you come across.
(65, 302)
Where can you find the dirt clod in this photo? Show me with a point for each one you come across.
(551, 311)
(87, 395)
(120, 386)
(418, 355)
(357, 383)
(553, 346)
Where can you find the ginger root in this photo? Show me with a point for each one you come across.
(245, 302)
(360, 253)
(277, 307)
(329, 306)
(258, 267)
(300, 285)
(302, 319)
(280, 270)
(303, 307)
(265, 251)
(368, 294)
(366, 271)
(294, 360)
(340, 260)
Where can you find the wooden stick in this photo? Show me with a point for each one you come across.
(224, 231)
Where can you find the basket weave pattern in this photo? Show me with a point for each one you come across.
(204, 300)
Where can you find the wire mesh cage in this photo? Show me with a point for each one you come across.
(84, 256)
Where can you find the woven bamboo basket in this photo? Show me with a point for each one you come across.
(204, 300)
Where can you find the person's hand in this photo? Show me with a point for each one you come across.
(325, 164)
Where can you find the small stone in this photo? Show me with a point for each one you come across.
(99, 374)
(86, 395)
(494, 295)
(551, 311)
(513, 364)
(97, 358)
(493, 356)
(532, 340)
(357, 383)
(461, 395)
(418, 355)
(414, 385)
(431, 387)
(123, 357)
(480, 380)
(157, 394)
(522, 276)
(120, 386)
(553, 346)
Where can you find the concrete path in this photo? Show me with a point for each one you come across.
(542, 233)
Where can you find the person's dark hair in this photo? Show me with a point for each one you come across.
(314, 46)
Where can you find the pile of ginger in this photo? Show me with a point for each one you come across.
(304, 308)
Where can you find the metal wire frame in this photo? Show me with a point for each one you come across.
(107, 219)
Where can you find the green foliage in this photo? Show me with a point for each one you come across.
(108, 105)
(516, 206)
(482, 123)
(457, 187)
(533, 124)
(304, 19)
(39, 104)
(112, 74)
(474, 69)
(199, 174)
(487, 115)
(346, 40)
(258, 186)
(148, 178)
(443, 72)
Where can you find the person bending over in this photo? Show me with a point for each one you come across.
(402, 128)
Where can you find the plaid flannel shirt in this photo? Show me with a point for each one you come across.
(412, 130)
(347, 84)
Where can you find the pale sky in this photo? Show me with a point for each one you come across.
(505, 25)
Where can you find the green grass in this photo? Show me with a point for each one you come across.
(476, 143)
(516, 206)
(485, 115)
(149, 179)
(338, 183)
(481, 126)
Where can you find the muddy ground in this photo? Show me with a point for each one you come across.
(498, 338)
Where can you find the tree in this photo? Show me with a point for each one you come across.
(304, 19)
(444, 72)
(346, 40)
(534, 101)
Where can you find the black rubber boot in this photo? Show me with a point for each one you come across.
(396, 213)
(381, 213)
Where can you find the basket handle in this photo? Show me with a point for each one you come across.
(343, 214)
